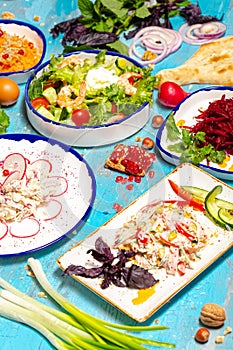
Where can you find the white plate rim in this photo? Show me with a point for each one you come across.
(34, 138)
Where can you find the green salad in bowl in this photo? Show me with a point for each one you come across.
(92, 90)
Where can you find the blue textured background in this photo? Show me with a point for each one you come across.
(180, 314)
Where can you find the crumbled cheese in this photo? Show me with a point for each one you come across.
(219, 339)
(227, 330)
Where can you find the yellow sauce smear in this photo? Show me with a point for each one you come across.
(143, 295)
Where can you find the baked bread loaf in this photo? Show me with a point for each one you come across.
(211, 64)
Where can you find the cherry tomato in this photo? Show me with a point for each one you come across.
(170, 94)
(80, 117)
(114, 108)
(48, 84)
(40, 101)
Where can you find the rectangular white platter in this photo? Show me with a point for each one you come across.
(130, 301)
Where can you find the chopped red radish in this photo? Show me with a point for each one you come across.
(50, 210)
(59, 184)
(3, 229)
(15, 175)
(41, 166)
(15, 161)
(26, 228)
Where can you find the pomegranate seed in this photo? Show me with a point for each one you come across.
(1, 32)
(138, 179)
(124, 162)
(151, 174)
(5, 56)
(130, 187)
(119, 178)
(130, 178)
(21, 52)
(124, 180)
(117, 207)
(31, 45)
(5, 172)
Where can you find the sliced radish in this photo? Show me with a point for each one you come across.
(50, 210)
(41, 167)
(15, 175)
(58, 184)
(15, 161)
(3, 229)
(26, 228)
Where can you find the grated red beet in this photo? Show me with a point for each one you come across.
(217, 122)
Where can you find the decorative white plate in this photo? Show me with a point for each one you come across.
(140, 305)
(63, 211)
(186, 111)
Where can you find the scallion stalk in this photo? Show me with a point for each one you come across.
(72, 329)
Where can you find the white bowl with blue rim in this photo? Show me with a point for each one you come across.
(87, 136)
(32, 34)
(184, 113)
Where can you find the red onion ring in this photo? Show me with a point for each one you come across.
(196, 34)
(161, 41)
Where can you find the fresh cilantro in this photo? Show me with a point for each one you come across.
(191, 147)
(4, 121)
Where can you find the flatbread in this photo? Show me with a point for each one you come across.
(211, 64)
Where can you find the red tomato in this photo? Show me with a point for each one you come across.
(170, 94)
(114, 108)
(40, 101)
(80, 117)
(48, 84)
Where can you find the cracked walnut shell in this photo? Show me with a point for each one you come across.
(212, 315)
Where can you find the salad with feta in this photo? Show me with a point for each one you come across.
(82, 91)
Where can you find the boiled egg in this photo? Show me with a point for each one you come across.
(9, 92)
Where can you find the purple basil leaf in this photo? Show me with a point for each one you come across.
(82, 271)
(103, 248)
(93, 38)
(139, 278)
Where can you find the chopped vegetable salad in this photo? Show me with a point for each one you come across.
(90, 91)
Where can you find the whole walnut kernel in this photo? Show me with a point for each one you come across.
(202, 335)
(212, 315)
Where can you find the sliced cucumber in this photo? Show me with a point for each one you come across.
(42, 110)
(212, 207)
(196, 192)
(51, 95)
(201, 194)
(121, 63)
(226, 216)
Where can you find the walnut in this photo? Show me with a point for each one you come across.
(212, 315)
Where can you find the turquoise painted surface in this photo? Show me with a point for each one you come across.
(182, 312)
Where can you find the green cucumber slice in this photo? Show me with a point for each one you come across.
(212, 207)
(201, 194)
(226, 216)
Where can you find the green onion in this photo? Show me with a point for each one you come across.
(70, 328)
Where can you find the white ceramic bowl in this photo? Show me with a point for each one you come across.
(30, 33)
(87, 136)
(186, 111)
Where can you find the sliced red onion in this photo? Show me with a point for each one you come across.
(161, 41)
(198, 34)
